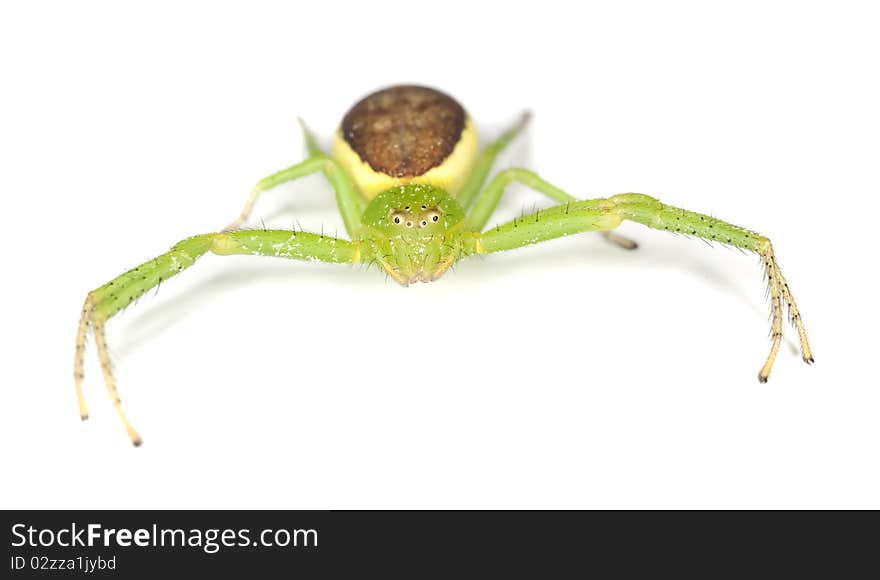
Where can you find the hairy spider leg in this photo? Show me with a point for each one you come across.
(491, 195)
(103, 303)
(82, 332)
(350, 201)
(489, 198)
(606, 214)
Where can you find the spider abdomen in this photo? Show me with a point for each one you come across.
(406, 134)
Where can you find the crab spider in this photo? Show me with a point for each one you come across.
(408, 178)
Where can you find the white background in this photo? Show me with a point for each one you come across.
(573, 374)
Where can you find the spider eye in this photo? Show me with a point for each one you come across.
(431, 216)
(398, 217)
(409, 224)
(424, 223)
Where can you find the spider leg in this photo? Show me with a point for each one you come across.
(89, 319)
(103, 303)
(82, 332)
(491, 195)
(606, 214)
(622, 241)
(484, 162)
(351, 203)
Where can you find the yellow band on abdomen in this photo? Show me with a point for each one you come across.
(450, 175)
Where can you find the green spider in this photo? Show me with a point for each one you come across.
(409, 178)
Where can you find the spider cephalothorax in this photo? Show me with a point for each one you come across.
(414, 232)
(409, 186)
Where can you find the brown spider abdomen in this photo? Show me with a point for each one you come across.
(404, 131)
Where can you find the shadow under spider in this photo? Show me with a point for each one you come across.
(582, 253)
(152, 322)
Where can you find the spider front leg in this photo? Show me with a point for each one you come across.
(489, 198)
(103, 303)
(351, 203)
(606, 214)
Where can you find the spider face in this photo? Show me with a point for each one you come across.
(414, 231)
(413, 211)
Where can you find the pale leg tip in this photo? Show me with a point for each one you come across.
(764, 373)
(133, 435)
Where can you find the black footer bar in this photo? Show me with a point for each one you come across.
(416, 543)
